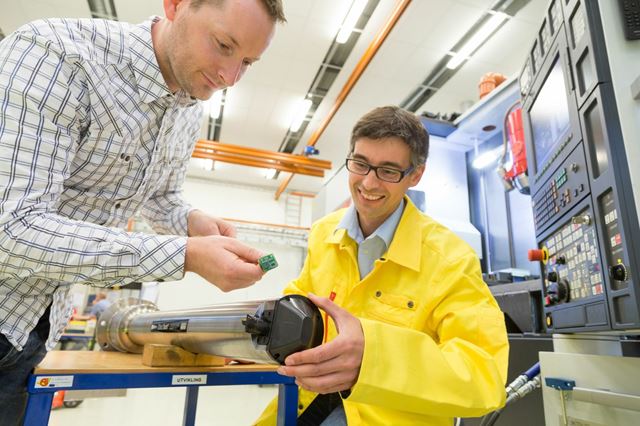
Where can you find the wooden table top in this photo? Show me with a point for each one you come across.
(98, 362)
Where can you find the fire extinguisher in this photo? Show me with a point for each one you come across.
(512, 166)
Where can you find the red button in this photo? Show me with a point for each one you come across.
(536, 255)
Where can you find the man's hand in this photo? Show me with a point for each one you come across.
(201, 224)
(334, 366)
(225, 262)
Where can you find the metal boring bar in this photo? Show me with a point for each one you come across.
(260, 331)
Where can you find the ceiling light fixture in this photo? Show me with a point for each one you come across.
(300, 114)
(215, 104)
(350, 21)
(477, 39)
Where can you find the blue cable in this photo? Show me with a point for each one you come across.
(533, 371)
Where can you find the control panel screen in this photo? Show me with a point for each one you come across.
(549, 115)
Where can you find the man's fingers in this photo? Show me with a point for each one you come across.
(338, 314)
(312, 370)
(238, 272)
(315, 355)
(243, 251)
(226, 228)
(325, 384)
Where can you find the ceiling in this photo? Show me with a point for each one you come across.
(258, 110)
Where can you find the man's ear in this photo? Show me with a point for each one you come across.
(416, 175)
(170, 8)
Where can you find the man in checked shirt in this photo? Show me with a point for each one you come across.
(98, 120)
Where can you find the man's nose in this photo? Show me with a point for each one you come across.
(230, 73)
(370, 180)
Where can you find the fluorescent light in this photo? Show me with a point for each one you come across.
(487, 158)
(215, 104)
(350, 21)
(300, 114)
(477, 39)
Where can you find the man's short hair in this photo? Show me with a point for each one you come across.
(274, 7)
(393, 121)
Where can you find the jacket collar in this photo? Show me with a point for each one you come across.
(406, 246)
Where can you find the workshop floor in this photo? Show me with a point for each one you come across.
(224, 405)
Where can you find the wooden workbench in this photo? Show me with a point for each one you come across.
(74, 362)
(84, 370)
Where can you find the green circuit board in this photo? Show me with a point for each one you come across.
(268, 262)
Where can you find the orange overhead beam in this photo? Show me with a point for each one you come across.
(265, 164)
(275, 225)
(253, 157)
(353, 78)
(302, 194)
(262, 153)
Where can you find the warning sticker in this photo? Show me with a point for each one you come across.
(53, 382)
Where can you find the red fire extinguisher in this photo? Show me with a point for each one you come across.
(512, 166)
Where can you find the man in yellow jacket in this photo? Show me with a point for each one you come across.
(416, 337)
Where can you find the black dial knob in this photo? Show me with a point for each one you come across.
(552, 276)
(561, 260)
(619, 272)
(558, 292)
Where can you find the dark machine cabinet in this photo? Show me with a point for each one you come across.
(613, 205)
(584, 210)
(586, 47)
(574, 278)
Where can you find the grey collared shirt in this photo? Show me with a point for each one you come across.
(376, 244)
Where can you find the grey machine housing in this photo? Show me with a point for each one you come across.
(260, 331)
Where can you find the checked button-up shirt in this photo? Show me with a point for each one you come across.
(89, 136)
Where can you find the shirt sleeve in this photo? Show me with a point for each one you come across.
(459, 371)
(41, 110)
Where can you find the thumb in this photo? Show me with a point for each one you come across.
(335, 312)
(249, 254)
(226, 228)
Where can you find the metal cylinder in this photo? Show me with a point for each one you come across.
(259, 331)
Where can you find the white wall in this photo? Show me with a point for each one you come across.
(444, 183)
(245, 203)
(237, 201)
(332, 194)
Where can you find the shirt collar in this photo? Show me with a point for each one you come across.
(406, 246)
(385, 231)
(146, 70)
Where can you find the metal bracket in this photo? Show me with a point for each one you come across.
(560, 384)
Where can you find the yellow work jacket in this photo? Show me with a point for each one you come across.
(435, 340)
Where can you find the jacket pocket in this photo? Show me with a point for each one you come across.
(392, 308)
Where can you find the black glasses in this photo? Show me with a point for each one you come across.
(386, 174)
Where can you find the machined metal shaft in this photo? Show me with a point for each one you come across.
(259, 331)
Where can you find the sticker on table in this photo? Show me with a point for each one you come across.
(189, 379)
(54, 382)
